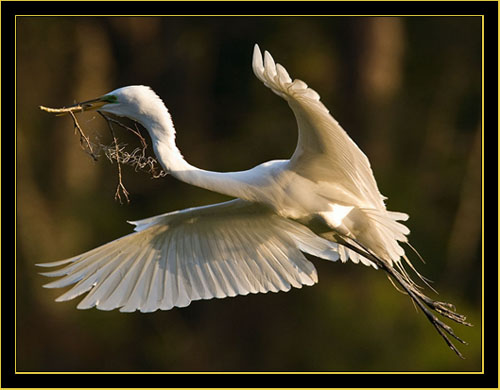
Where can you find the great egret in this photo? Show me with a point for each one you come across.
(323, 201)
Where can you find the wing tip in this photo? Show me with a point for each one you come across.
(57, 263)
(257, 65)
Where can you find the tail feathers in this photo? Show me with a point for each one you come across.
(390, 232)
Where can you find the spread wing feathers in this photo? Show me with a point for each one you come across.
(216, 251)
(324, 150)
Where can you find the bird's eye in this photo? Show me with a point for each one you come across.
(110, 98)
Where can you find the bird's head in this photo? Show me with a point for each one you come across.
(136, 102)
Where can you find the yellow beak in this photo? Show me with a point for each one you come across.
(90, 105)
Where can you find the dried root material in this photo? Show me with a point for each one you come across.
(116, 151)
(120, 185)
(137, 158)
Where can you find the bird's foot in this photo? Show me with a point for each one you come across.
(446, 309)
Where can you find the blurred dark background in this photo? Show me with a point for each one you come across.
(407, 90)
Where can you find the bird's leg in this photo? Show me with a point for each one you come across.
(421, 300)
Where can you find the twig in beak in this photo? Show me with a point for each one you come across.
(64, 110)
(71, 110)
(83, 137)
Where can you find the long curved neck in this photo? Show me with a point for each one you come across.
(162, 132)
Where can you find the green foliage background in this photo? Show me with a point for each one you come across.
(407, 90)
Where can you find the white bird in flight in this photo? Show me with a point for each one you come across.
(323, 201)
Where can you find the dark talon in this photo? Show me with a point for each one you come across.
(446, 304)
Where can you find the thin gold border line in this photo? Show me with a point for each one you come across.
(250, 372)
(15, 195)
(245, 372)
(256, 15)
(482, 193)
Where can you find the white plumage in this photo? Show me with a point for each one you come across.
(323, 201)
(233, 248)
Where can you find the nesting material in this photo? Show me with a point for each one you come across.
(116, 151)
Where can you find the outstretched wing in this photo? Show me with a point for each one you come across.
(217, 251)
(324, 150)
